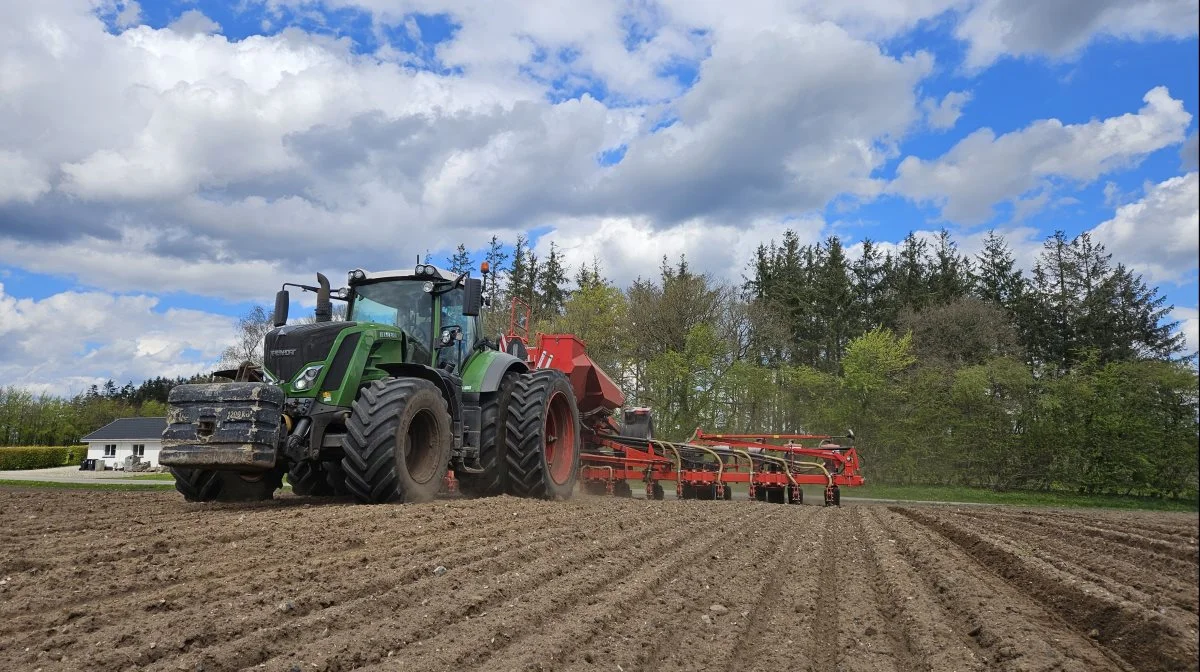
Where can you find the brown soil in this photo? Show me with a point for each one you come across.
(143, 581)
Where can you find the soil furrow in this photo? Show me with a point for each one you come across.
(544, 603)
(823, 642)
(171, 571)
(1146, 582)
(186, 605)
(1012, 630)
(1143, 638)
(930, 635)
(336, 608)
(114, 582)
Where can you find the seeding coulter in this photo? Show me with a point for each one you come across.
(773, 467)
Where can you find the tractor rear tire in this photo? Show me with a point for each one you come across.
(324, 479)
(397, 442)
(542, 436)
(208, 485)
(491, 444)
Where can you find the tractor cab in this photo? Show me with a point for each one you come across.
(436, 310)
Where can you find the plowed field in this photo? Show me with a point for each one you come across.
(120, 581)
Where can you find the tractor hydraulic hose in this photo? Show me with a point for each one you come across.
(720, 463)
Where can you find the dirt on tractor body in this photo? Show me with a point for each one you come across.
(123, 581)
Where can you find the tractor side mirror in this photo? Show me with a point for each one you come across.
(281, 307)
(472, 296)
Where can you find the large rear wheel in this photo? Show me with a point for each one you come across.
(542, 436)
(208, 485)
(397, 442)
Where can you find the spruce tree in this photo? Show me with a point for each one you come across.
(950, 272)
(998, 280)
(552, 275)
(461, 261)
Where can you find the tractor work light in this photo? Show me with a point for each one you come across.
(307, 377)
(427, 287)
(357, 274)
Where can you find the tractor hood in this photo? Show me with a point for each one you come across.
(290, 347)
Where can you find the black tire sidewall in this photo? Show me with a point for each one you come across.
(429, 401)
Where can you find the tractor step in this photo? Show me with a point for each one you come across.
(231, 426)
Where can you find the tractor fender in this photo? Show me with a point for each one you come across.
(446, 383)
(487, 369)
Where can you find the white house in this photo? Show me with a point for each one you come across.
(121, 438)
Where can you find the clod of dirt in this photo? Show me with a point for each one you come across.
(439, 570)
(707, 619)
(870, 632)
(719, 609)
(1094, 633)
(286, 606)
(975, 631)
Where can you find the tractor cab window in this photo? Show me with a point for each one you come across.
(400, 303)
(451, 315)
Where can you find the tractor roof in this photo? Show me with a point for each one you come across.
(435, 273)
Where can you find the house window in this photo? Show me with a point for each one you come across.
(139, 449)
(110, 450)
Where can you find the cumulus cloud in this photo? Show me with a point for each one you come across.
(181, 160)
(944, 114)
(110, 336)
(982, 169)
(20, 178)
(1189, 326)
(194, 22)
(628, 248)
(996, 28)
(1158, 235)
(1189, 153)
(815, 114)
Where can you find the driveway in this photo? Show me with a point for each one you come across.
(74, 475)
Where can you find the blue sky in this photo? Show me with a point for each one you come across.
(196, 154)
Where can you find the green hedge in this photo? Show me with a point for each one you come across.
(40, 457)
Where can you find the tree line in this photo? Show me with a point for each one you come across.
(28, 419)
(951, 369)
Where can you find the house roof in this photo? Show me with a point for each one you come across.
(125, 429)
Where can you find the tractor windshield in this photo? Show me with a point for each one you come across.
(401, 303)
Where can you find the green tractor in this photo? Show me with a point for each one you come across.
(379, 406)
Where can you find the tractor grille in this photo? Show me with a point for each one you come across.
(288, 348)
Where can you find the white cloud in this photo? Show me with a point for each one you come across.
(944, 114)
(1189, 153)
(982, 170)
(628, 248)
(996, 28)
(130, 14)
(183, 161)
(779, 123)
(20, 178)
(1189, 326)
(194, 22)
(119, 337)
(1159, 235)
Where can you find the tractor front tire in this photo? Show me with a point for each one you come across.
(397, 442)
(208, 485)
(542, 436)
(323, 479)
(491, 444)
